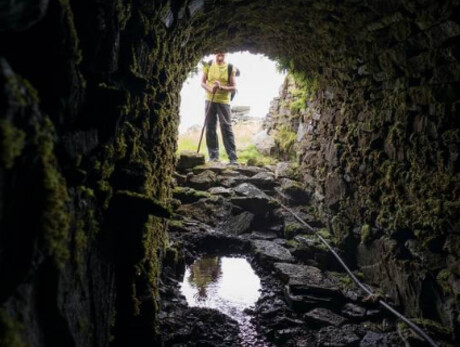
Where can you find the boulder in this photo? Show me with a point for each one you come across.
(306, 280)
(230, 181)
(338, 337)
(250, 171)
(209, 211)
(188, 195)
(212, 166)
(225, 192)
(323, 317)
(294, 191)
(264, 142)
(271, 251)
(374, 339)
(263, 180)
(261, 235)
(189, 159)
(237, 225)
(203, 181)
(285, 169)
(353, 311)
(252, 199)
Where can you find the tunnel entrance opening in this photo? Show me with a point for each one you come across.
(258, 82)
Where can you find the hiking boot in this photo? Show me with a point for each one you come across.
(214, 160)
(233, 162)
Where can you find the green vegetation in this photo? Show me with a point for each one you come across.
(324, 232)
(285, 139)
(12, 143)
(306, 83)
(247, 152)
(10, 331)
(292, 230)
(344, 279)
(443, 280)
(192, 194)
(365, 233)
(56, 217)
(252, 156)
(189, 142)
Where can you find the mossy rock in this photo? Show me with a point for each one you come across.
(189, 159)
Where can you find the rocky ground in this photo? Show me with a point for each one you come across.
(306, 299)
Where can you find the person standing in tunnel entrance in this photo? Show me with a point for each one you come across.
(217, 79)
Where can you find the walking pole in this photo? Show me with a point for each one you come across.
(205, 121)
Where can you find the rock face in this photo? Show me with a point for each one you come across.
(89, 124)
(189, 159)
(372, 164)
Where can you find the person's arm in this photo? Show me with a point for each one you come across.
(204, 84)
(230, 87)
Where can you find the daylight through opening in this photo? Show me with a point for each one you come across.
(258, 84)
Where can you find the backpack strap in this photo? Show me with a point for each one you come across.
(230, 70)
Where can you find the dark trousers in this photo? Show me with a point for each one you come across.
(225, 120)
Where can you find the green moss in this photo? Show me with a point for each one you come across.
(10, 331)
(12, 140)
(365, 233)
(443, 280)
(345, 280)
(433, 326)
(176, 223)
(88, 193)
(252, 154)
(292, 230)
(15, 87)
(155, 243)
(324, 232)
(72, 37)
(55, 216)
(286, 138)
(192, 193)
(294, 172)
(31, 91)
(340, 226)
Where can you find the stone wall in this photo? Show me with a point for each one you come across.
(89, 117)
(89, 103)
(378, 143)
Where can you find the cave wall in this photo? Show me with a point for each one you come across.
(89, 114)
(89, 117)
(377, 140)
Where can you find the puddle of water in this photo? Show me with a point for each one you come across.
(228, 285)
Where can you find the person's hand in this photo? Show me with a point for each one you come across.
(215, 87)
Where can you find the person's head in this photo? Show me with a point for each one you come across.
(220, 57)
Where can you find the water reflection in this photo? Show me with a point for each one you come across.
(229, 285)
(203, 273)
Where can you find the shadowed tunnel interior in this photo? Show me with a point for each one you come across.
(89, 112)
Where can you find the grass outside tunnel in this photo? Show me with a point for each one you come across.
(245, 147)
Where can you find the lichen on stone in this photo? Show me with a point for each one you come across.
(55, 216)
(11, 331)
(12, 143)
